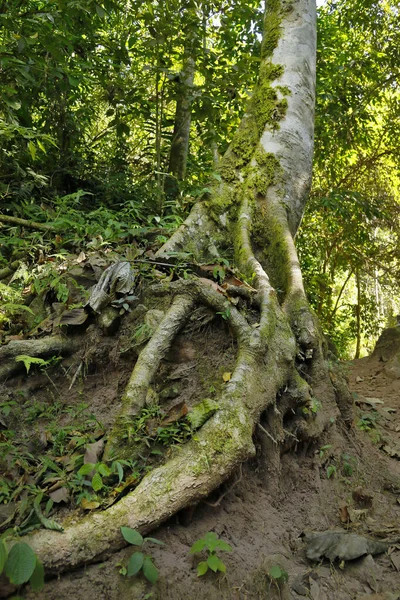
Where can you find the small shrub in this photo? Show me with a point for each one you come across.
(139, 561)
(210, 543)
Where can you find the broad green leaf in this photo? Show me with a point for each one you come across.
(3, 555)
(211, 540)
(202, 568)
(150, 571)
(20, 564)
(275, 572)
(100, 11)
(224, 546)
(198, 546)
(216, 563)
(32, 150)
(135, 563)
(132, 536)
(97, 482)
(86, 469)
(154, 541)
(104, 470)
(37, 578)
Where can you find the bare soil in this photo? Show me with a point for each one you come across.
(263, 524)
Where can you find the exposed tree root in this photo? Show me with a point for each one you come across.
(279, 367)
(56, 345)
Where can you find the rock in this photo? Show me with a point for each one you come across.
(340, 545)
(392, 367)
(388, 344)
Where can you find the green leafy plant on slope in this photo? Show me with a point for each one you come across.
(211, 544)
(21, 565)
(139, 561)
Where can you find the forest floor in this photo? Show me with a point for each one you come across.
(264, 526)
(349, 481)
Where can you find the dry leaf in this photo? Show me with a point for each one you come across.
(175, 413)
(81, 257)
(226, 376)
(89, 504)
(60, 495)
(93, 452)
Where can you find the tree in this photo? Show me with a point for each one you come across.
(280, 382)
(348, 244)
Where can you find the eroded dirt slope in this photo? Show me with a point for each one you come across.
(350, 481)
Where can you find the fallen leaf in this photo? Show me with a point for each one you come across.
(93, 452)
(75, 316)
(89, 504)
(372, 401)
(344, 513)
(175, 413)
(81, 257)
(60, 495)
(226, 376)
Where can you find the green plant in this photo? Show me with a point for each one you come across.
(278, 575)
(348, 464)
(139, 561)
(367, 421)
(20, 564)
(331, 471)
(210, 543)
(323, 450)
(225, 314)
(33, 360)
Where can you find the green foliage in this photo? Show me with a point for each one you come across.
(210, 543)
(139, 561)
(348, 243)
(32, 360)
(20, 564)
(277, 574)
(331, 471)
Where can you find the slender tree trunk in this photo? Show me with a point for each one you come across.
(180, 138)
(358, 314)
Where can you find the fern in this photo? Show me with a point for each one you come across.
(202, 412)
(32, 360)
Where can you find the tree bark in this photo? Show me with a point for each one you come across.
(256, 208)
(180, 138)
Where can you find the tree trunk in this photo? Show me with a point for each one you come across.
(256, 209)
(180, 137)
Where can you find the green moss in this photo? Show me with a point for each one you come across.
(284, 90)
(223, 200)
(268, 109)
(245, 140)
(272, 28)
(269, 238)
(264, 173)
(228, 167)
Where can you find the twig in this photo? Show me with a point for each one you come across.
(26, 223)
(76, 375)
(222, 496)
(267, 433)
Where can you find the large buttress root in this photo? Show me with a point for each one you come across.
(256, 208)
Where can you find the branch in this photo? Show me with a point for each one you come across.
(26, 223)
